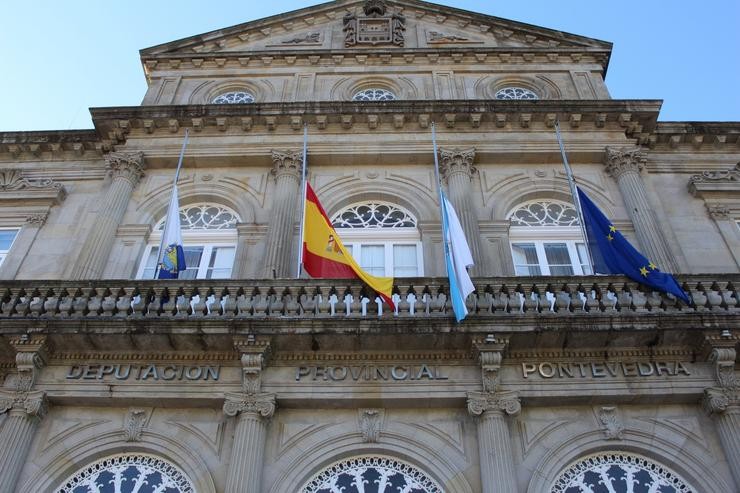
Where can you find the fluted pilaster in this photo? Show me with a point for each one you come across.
(494, 443)
(724, 406)
(456, 168)
(287, 171)
(247, 454)
(624, 165)
(25, 410)
(125, 170)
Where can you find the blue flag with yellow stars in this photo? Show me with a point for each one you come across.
(613, 254)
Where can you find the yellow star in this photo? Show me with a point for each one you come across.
(609, 237)
(643, 271)
(652, 266)
(612, 228)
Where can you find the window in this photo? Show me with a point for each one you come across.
(7, 237)
(386, 475)
(619, 472)
(374, 94)
(123, 473)
(209, 243)
(515, 93)
(382, 238)
(234, 97)
(546, 240)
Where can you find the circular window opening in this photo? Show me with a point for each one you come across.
(234, 97)
(515, 93)
(374, 94)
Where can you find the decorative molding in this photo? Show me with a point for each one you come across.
(30, 357)
(37, 220)
(611, 424)
(436, 37)
(501, 402)
(133, 425)
(286, 163)
(254, 354)
(717, 400)
(719, 211)
(13, 180)
(371, 422)
(261, 404)
(456, 161)
(723, 359)
(623, 160)
(731, 175)
(126, 165)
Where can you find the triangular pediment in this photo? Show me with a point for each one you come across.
(372, 25)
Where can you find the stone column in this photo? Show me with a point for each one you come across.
(25, 411)
(723, 403)
(253, 409)
(494, 443)
(624, 165)
(285, 201)
(456, 168)
(247, 453)
(25, 408)
(126, 170)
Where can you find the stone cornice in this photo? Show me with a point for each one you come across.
(634, 117)
(52, 144)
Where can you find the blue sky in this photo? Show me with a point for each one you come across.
(60, 58)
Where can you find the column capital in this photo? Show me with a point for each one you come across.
(287, 162)
(497, 402)
(126, 165)
(262, 404)
(623, 160)
(454, 161)
(32, 404)
(718, 400)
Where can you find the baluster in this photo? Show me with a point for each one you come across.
(714, 298)
(51, 305)
(228, 304)
(140, 303)
(36, 304)
(94, 303)
(122, 305)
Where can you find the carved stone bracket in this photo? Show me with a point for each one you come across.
(723, 359)
(719, 211)
(287, 163)
(133, 425)
(30, 403)
(126, 165)
(254, 355)
(502, 402)
(490, 355)
(37, 220)
(371, 423)
(261, 404)
(718, 400)
(456, 161)
(611, 424)
(624, 160)
(30, 357)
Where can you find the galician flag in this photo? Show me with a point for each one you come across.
(324, 255)
(172, 261)
(458, 259)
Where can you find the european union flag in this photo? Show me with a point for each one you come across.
(613, 254)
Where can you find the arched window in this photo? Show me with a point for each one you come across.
(515, 93)
(234, 97)
(125, 473)
(374, 94)
(619, 472)
(209, 242)
(386, 475)
(382, 238)
(546, 239)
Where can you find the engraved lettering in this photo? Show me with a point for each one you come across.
(168, 372)
(662, 367)
(645, 369)
(74, 373)
(151, 371)
(399, 373)
(547, 370)
(528, 368)
(355, 371)
(680, 368)
(598, 370)
(194, 373)
(629, 369)
(301, 371)
(91, 372)
(564, 369)
(425, 371)
(341, 374)
(438, 374)
(611, 368)
(381, 373)
(105, 370)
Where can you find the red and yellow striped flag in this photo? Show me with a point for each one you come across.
(324, 255)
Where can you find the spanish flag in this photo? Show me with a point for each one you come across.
(324, 255)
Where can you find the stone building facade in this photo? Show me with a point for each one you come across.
(242, 378)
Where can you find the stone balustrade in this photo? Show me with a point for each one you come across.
(324, 298)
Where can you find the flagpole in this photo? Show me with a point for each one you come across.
(303, 202)
(174, 184)
(574, 194)
(439, 192)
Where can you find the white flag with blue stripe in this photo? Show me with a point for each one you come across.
(458, 259)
